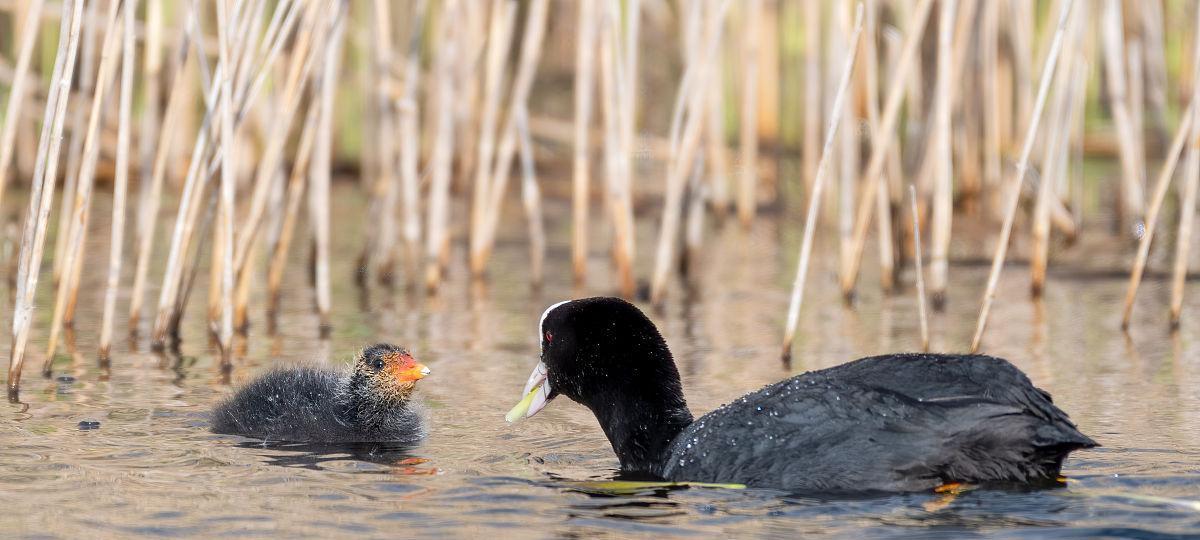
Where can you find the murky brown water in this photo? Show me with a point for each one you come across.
(153, 469)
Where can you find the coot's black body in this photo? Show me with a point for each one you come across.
(370, 403)
(904, 422)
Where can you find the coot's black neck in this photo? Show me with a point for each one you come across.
(611, 358)
(642, 422)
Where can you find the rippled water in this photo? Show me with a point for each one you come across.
(151, 468)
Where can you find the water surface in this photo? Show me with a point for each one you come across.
(151, 468)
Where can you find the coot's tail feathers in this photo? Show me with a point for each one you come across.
(1062, 435)
(962, 380)
(1004, 429)
(1052, 443)
(999, 443)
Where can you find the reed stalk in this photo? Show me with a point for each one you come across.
(503, 17)
(917, 256)
(845, 151)
(473, 30)
(16, 91)
(87, 84)
(386, 186)
(150, 202)
(1014, 189)
(693, 36)
(714, 135)
(26, 139)
(1187, 203)
(879, 150)
(812, 92)
(611, 61)
(185, 224)
(1021, 35)
(245, 34)
(943, 167)
(410, 188)
(695, 32)
(410, 149)
(1053, 159)
(619, 89)
(1040, 230)
(312, 34)
(1112, 38)
(284, 19)
(73, 254)
(195, 182)
(1161, 185)
(693, 233)
(531, 51)
(194, 185)
(1156, 65)
(616, 162)
(437, 245)
(692, 90)
(121, 179)
(1137, 105)
(626, 250)
(226, 209)
(320, 171)
(295, 194)
(216, 261)
(301, 61)
(814, 198)
(966, 138)
(584, 85)
(870, 52)
(33, 235)
(914, 83)
(148, 130)
(748, 140)
(531, 198)
(467, 122)
(1073, 178)
(992, 133)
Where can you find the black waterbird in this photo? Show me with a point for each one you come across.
(369, 403)
(900, 422)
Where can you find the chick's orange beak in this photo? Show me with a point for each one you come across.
(406, 369)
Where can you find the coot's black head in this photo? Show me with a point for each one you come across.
(605, 354)
(592, 348)
(385, 373)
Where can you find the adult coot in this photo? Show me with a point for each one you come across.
(368, 403)
(903, 422)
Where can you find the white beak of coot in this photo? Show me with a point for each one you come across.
(536, 395)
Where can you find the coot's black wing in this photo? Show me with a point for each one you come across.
(951, 377)
(851, 428)
(286, 405)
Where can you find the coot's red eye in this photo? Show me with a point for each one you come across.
(549, 337)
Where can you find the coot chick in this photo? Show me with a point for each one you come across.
(902, 422)
(368, 403)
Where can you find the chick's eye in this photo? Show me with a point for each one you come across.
(377, 363)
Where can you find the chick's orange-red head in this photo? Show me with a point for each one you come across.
(404, 367)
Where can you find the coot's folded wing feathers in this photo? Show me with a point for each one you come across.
(809, 434)
(858, 427)
(945, 377)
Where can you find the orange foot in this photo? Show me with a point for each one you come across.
(415, 471)
(949, 492)
(953, 488)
